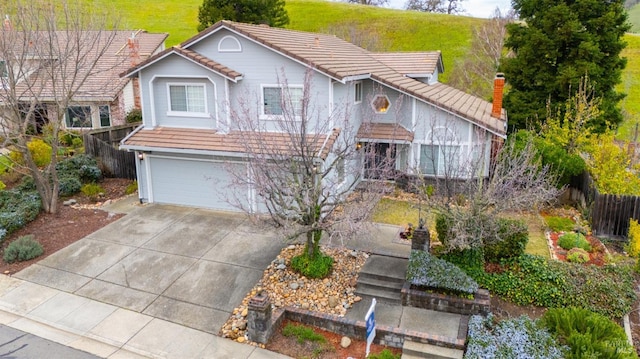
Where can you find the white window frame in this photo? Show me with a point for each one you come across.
(266, 116)
(223, 44)
(373, 104)
(357, 89)
(441, 161)
(187, 113)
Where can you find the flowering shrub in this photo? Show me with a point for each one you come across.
(429, 271)
(512, 338)
(634, 238)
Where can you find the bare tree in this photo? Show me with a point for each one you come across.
(358, 34)
(475, 72)
(438, 6)
(370, 2)
(517, 182)
(302, 166)
(48, 50)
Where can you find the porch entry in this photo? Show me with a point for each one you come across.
(382, 160)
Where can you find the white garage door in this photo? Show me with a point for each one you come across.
(190, 182)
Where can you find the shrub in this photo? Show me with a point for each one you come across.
(574, 240)
(83, 167)
(69, 186)
(92, 190)
(40, 152)
(429, 271)
(633, 248)
(588, 334)
(511, 338)
(444, 222)
(17, 209)
(384, 354)
(27, 184)
(135, 115)
(77, 142)
(559, 224)
(302, 334)
(68, 137)
(318, 267)
(131, 188)
(22, 249)
(608, 290)
(513, 236)
(577, 255)
(467, 259)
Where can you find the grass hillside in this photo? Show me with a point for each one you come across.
(378, 28)
(634, 18)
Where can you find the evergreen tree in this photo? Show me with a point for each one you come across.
(269, 12)
(556, 44)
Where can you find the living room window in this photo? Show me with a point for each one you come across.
(78, 117)
(435, 160)
(276, 99)
(187, 99)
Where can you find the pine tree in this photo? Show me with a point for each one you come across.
(269, 12)
(556, 44)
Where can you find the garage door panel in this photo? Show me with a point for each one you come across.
(191, 182)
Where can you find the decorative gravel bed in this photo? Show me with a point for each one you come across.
(333, 295)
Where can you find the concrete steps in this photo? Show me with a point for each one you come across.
(415, 350)
(382, 278)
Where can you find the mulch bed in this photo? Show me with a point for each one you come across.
(597, 256)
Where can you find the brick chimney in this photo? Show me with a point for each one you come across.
(498, 87)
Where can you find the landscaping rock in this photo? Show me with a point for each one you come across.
(294, 285)
(69, 202)
(345, 342)
(333, 301)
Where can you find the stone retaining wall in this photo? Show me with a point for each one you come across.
(385, 335)
(481, 304)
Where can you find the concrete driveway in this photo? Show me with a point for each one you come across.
(185, 265)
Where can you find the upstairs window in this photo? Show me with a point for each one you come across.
(276, 99)
(4, 70)
(358, 92)
(381, 104)
(185, 99)
(78, 117)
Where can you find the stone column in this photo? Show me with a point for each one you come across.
(259, 318)
(421, 240)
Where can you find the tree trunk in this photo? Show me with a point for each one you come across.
(312, 247)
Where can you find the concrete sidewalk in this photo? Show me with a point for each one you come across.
(106, 330)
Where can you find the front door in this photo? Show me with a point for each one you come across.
(380, 161)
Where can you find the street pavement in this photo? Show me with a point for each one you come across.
(17, 344)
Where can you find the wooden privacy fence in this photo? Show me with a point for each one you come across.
(609, 213)
(103, 144)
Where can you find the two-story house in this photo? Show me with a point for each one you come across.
(103, 99)
(398, 108)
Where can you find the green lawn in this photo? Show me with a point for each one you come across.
(631, 86)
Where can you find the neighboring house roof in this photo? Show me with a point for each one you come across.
(186, 139)
(344, 61)
(412, 64)
(104, 83)
(385, 132)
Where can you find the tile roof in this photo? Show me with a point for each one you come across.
(213, 141)
(340, 59)
(103, 82)
(384, 131)
(412, 62)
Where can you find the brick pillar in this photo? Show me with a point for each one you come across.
(421, 241)
(259, 318)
